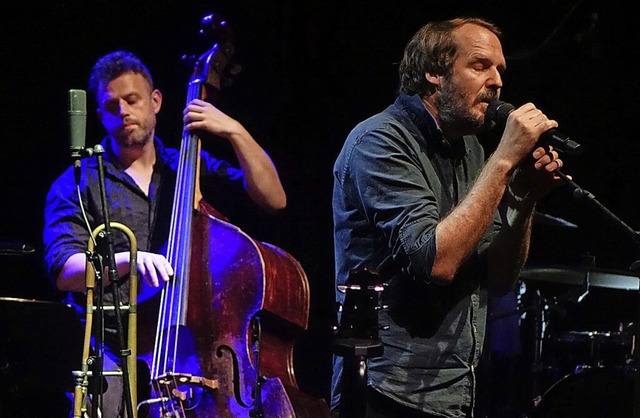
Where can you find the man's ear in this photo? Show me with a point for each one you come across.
(156, 98)
(433, 79)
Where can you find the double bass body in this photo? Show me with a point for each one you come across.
(257, 299)
(247, 301)
(227, 321)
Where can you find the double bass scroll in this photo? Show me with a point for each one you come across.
(228, 319)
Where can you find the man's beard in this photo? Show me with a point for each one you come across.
(135, 139)
(454, 111)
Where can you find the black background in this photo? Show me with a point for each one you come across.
(310, 71)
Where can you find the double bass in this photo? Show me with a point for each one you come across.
(228, 319)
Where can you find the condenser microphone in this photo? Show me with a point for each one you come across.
(498, 111)
(77, 122)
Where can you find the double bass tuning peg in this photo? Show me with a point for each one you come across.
(189, 59)
(212, 23)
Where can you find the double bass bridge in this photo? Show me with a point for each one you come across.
(181, 388)
(170, 379)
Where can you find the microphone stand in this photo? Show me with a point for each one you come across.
(97, 363)
(580, 193)
(114, 281)
(356, 339)
(355, 353)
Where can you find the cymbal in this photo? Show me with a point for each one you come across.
(610, 279)
(545, 219)
(15, 248)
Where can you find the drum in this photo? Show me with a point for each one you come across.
(590, 393)
(585, 320)
(594, 349)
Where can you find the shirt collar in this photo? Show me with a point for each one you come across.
(415, 110)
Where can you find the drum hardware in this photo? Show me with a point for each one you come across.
(606, 279)
(589, 393)
(543, 310)
(566, 350)
(539, 307)
(600, 347)
(536, 312)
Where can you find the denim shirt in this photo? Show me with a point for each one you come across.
(394, 179)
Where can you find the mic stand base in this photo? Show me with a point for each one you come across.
(355, 352)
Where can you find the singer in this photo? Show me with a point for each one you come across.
(415, 200)
(140, 176)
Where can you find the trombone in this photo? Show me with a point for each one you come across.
(82, 376)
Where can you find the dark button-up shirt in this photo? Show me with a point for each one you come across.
(148, 216)
(394, 179)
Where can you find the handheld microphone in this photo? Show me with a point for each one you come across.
(77, 121)
(498, 111)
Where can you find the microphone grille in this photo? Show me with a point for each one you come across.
(78, 101)
(498, 111)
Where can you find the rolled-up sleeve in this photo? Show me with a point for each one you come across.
(64, 231)
(386, 178)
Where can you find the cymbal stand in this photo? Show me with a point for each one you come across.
(537, 365)
(580, 193)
